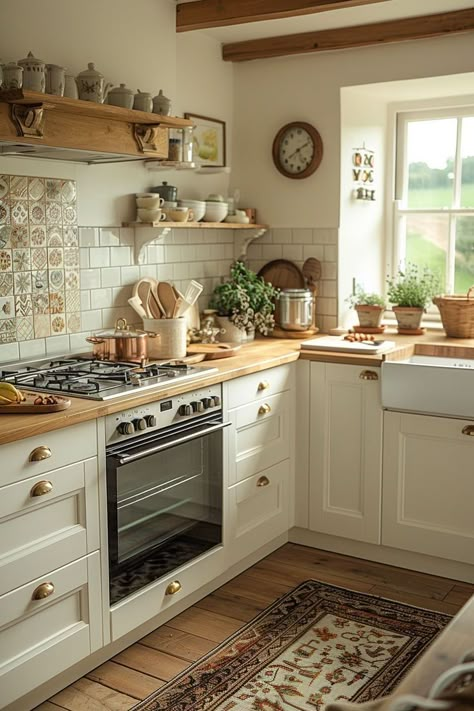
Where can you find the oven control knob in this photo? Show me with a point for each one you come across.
(216, 400)
(206, 401)
(126, 428)
(197, 406)
(139, 424)
(150, 420)
(185, 410)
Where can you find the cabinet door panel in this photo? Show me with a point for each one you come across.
(258, 386)
(345, 452)
(428, 486)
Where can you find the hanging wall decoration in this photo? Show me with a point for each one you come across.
(363, 161)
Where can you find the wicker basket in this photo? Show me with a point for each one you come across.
(457, 314)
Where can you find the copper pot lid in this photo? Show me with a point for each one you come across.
(121, 330)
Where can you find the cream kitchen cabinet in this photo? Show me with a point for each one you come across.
(345, 451)
(428, 485)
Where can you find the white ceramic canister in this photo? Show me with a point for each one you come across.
(166, 337)
(34, 74)
(161, 104)
(55, 79)
(12, 76)
(91, 85)
(142, 101)
(70, 87)
(120, 96)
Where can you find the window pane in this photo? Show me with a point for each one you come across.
(431, 148)
(427, 242)
(464, 274)
(467, 155)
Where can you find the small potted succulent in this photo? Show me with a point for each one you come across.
(370, 308)
(411, 290)
(244, 304)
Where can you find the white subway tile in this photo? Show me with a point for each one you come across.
(110, 316)
(110, 276)
(195, 236)
(181, 270)
(85, 300)
(329, 270)
(302, 236)
(127, 236)
(99, 257)
(32, 349)
(281, 235)
(326, 306)
(120, 256)
(101, 298)
(121, 295)
(129, 275)
(272, 251)
(266, 238)
(325, 235)
(328, 323)
(175, 253)
(196, 270)
(147, 270)
(84, 258)
(313, 250)
(57, 344)
(90, 278)
(293, 251)
(156, 254)
(78, 342)
(9, 351)
(88, 237)
(109, 236)
(330, 253)
(91, 320)
(328, 288)
(180, 236)
(165, 272)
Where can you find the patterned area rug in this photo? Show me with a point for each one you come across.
(317, 644)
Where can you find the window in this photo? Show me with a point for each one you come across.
(434, 205)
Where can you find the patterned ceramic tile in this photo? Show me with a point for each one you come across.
(19, 236)
(22, 282)
(5, 236)
(40, 304)
(56, 279)
(19, 212)
(39, 258)
(55, 236)
(72, 279)
(38, 236)
(19, 187)
(7, 307)
(5, 260)
(53, 189)
(6, 283)
(36, 188)
(56, 302)
(58, 324)
(21, 260)
(37, 213)
(24, 329)
(71, 237)
(39, 281)
(4, 185)
(23, 305)
(8, 330)
(68, 191)
(69, 214)
(74, 322)
(53, 213)
(73, 300)
(55, 258)
(42, 325)
(71, 258)
(4, 212)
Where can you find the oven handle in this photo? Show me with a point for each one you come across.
(127, 458)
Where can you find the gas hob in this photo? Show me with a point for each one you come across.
(97, 379)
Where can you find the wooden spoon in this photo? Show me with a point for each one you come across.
(166, 298)
(142, 289)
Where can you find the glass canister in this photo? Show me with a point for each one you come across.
(295, 309)
(175, 145)
(188, 144)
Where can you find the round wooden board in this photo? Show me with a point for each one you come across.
(214, 350)
(29, 408)
(283, 274)
(369, 329)
(281, 333)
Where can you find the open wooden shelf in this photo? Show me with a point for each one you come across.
(198, 225)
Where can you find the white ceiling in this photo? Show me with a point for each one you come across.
(378, 12)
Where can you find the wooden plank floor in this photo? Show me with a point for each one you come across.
(145, 666)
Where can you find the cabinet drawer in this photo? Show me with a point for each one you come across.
(259, 386)
(61, 447)
(47, 521)
(155, 598)
(260, 436)
(41, 637)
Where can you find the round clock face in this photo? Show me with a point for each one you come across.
(297, 150)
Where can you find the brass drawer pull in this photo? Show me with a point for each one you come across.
(263, 481)
(264, 409)
(369, 375)
(42, 591)
(263, 385)
(40, 453)
(173, 588)
(468, 430)
(41, 488)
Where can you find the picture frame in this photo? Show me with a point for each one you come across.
(209, 141)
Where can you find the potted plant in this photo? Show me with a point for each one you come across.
(244, 304)
(411, 290)
(370, 307)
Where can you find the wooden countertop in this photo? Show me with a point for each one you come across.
(259, 355)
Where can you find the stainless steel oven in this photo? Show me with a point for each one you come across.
(164, 487)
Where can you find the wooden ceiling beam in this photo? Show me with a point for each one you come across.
(221, 13)
(409, 28)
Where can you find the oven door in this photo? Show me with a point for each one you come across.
(164, 501)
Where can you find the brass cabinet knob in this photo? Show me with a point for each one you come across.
(264, 409)
(41, 488)
(263, 385)
(369, 375)
(42, 591)
(263, 481)
(40, 453)
(173, 588)
(468, 430)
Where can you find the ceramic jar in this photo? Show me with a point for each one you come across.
(161, 104)
(91, 85)
(70, 87)
(12, 76)
(120, 96)
(55, 79)
(142, 101)
(34, 73)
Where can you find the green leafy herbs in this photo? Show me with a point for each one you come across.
(246, 299)
(413, 286)
(365, 298)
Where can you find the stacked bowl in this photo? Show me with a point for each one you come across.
(216, 211)
(198, 208)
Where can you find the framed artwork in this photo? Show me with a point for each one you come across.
(208, 141)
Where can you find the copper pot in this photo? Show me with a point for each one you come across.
(121, 343)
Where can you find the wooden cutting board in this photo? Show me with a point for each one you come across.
(283, 274)
(214, 350)
(28, 407)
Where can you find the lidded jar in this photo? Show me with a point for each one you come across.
(12, 76)
(120, 96)
(34, 73)
(161, 104)
(142, 101)
(90, 85)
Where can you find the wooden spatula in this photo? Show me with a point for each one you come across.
(166, 298)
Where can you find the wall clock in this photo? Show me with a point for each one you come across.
(297, 150)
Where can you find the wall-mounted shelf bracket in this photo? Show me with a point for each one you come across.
(145, 236)
(244, 239)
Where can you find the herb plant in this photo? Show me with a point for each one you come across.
(246, 299)
(365, 298)
(413, 286)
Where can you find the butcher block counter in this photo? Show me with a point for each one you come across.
(258, 355)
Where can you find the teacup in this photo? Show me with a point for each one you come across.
(150, 215)
(179, 214)
(149, 200)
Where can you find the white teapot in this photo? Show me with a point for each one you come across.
(90, 85)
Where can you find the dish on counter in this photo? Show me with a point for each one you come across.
(338, 343)
(283, 274)
(36, 403)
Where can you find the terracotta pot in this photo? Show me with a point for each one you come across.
(369, 316)
(120, 344)
(408, 319)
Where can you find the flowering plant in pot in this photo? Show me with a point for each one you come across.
(370, 307)
(412, 290)
(244, 304)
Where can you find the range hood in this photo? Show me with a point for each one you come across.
(58, 128)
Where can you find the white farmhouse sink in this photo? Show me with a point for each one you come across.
(430, 385)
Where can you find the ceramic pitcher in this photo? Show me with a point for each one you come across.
(91, 85)
(12, 76)
(55, 79)
(34, 74)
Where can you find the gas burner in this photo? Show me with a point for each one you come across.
(79, 386)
